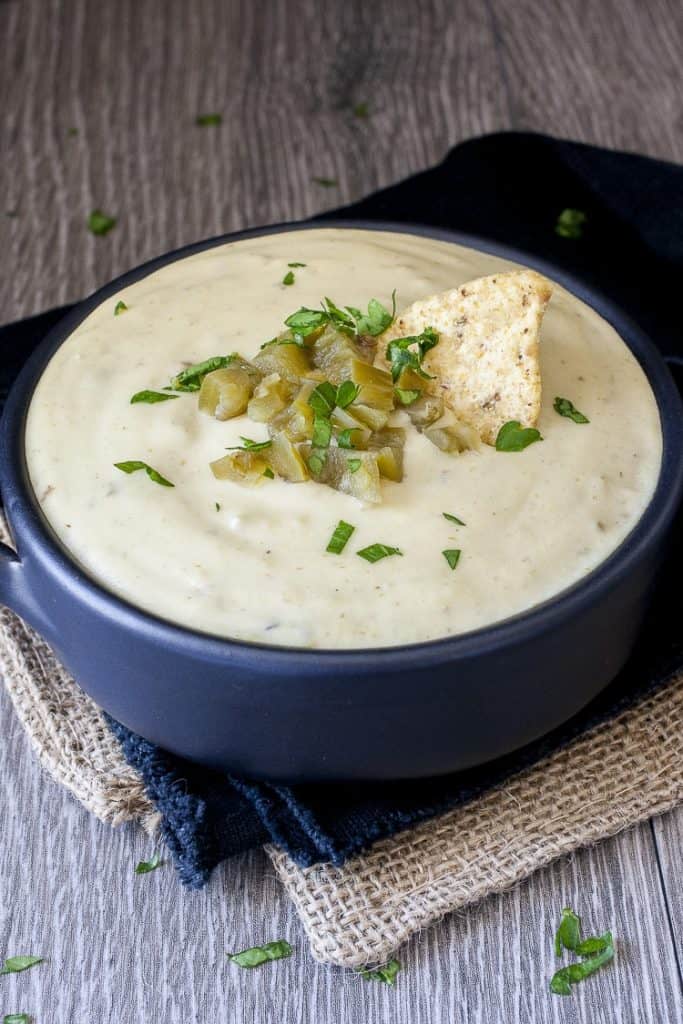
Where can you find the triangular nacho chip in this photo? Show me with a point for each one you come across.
(486, 364)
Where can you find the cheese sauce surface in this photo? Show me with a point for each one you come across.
(255, 568)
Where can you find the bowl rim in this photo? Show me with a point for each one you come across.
(37, 538)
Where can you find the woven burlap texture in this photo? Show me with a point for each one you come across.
(610, 778)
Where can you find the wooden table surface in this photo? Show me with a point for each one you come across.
(98, 109)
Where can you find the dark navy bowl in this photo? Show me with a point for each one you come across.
(288, 714)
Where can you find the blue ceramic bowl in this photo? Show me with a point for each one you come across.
(287, 714)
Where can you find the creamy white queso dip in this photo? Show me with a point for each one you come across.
(257, 569)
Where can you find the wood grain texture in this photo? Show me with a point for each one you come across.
(98, 109)
(129, 949)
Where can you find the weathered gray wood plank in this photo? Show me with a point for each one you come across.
(130, 78)
(130, 949)
(607, 73)
(668, 835)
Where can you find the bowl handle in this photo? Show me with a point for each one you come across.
(14, 592)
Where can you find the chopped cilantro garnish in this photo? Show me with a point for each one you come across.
(316, 461)
(323, 398)
(513, 437)
(99, 223)
(257, 955)
(134, 465)
(375, 552)
(407, 396)
(325, 182)
(191, 378)
(354, 465)
(296, 264)
(16, 1018)
(595, 952)
(16, 964)
(387, 973)
(144, 867)
(566, 408)
(408, 353)
(288, 278)
(322, 432)
(361, 110)
(349, 320)
(218, 507)
(151, 397)
(452, 556)
(250, 446)
(267, 472)
(340, 537)
(452, 519)
(347, 392)
(120, 308)
(570, 223)
(344, 438)
(205, 119)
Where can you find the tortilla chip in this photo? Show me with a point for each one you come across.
(486, 364)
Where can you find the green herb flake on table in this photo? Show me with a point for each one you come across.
(16, 964)
(100, 223)
(257, 955)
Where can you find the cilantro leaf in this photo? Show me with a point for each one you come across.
(206, 119)
(354, 465)
(344, 438)
(340, 537)
(452, 519)
(562, 980)
(134, 465)
(305, 321)
(99, 223)
(16, 1018)
(250, 446)
(386, 974)
(570, 223)
(151, 397)
(323, 399)
(513, 437)
(317, 460)
(257, 955)
(408, 352)
(375, 552)
(191, 378)
(452, 556)
(566, 408)
(120, 308)
(288, 278)
(16, 964)
(322, 432)
(407, 396)
(296, 264)
(144, 867)
(568, 934)
(377, 318)
(268, 473)
(361, 110)
(325, 182)
(347, 392)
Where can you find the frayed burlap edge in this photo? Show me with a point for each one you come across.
(67, 730)
(612, 777)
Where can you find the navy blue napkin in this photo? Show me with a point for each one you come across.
(510, 187)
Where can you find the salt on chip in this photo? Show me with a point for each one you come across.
(486, 364)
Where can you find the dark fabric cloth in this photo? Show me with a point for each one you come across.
(508, 187)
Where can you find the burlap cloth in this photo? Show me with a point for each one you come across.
(611, 777)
